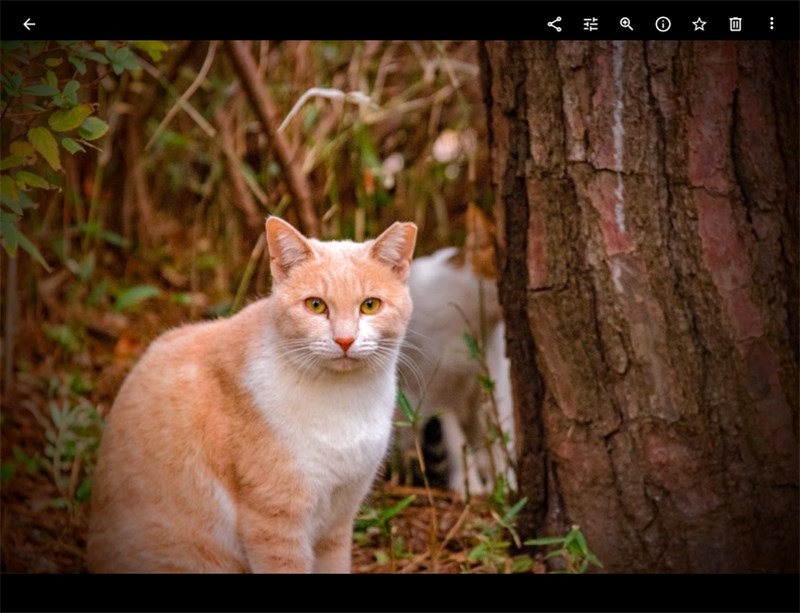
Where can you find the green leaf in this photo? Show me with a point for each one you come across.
(512, 512)
(9, 194)
(153, 48)
(405, 406)
(593, 559)
(71, 145)
(45, 143)
(181, 298)
(66, 338)
(472, 345)
(121, 59)
(12, 161)
(78, 63)
(52, 79)
(9, 233)
(88, 54)
(55, 414)
(40, 90)
(25, 178)
(23, 148)
(92, 128)
(478, 553)
(11, 86)
(521, 564)
(134, 296)
(581, 540)
(31, 463)
(381, 557)
(556, 553)
(547, 540)
(113, 238)
(32, 250)
(66, 120)
(84, 490)
(486, 382)
(71, 87)
(387, 514)
(97, 294)
(53, 62)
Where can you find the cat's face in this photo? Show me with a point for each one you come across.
(341, 306)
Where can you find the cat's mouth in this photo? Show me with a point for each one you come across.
(344, 363)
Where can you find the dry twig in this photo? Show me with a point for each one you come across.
(265, 110)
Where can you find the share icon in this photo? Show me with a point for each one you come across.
(551, 24)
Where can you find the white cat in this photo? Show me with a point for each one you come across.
(454, 291)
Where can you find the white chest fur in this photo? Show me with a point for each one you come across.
(336, 426)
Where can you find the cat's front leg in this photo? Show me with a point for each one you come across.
(332, 550)
(275, 541)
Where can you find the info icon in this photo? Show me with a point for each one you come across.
(663, 24)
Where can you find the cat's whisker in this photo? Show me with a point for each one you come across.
(413, 370)
(411, 331)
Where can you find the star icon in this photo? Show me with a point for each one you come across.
(699, 25)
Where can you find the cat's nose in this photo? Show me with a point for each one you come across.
(345, 343)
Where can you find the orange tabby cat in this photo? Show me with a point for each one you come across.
(247, 444)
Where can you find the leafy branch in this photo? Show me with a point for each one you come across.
(45, 112)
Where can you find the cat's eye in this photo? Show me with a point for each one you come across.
(370, 306)
(316, 305)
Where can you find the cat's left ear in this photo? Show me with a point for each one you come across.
(396, 247)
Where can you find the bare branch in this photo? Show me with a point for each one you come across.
(264, 107)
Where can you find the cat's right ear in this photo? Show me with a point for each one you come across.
(395, 247)
(287, 248)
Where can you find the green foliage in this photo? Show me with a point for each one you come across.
(411, 414)
(45, 143)
(43, 113)
(572, 548)
(371, 517)
(72, 429)
(31, 464)
(495, 538)
(475, 351)
(68, 119)
(64, 336)
(153, 48)
(494, 430)
(373, 521)
(135, 295)
(92, 128)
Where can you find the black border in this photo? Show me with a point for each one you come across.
(400, 593)
(247, 20)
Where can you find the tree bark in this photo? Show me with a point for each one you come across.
(648, 246)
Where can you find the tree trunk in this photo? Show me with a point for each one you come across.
(648, 246)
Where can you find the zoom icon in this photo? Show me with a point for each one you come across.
(663, 24)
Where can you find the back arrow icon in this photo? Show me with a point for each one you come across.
(28, 23)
